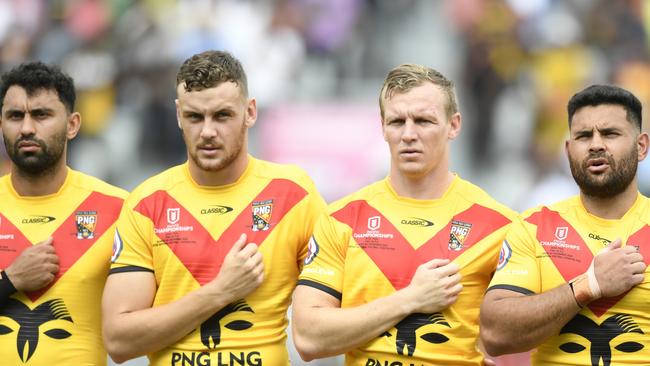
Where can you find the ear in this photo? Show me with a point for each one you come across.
(383, 130)
(178, 113)
(566, 148)
(74, 124)
(251, 112)
(455, 123)
(642, 145)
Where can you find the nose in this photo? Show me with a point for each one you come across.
(27, 127)
(208, 130)
(596, 144)
(409, 132)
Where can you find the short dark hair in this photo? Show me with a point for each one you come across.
(36, 76)
(209, 69)
(607, 94)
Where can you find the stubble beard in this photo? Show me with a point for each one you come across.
(218, 164)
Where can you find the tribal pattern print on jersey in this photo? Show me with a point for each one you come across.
(371, 245)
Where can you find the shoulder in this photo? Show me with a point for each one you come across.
(87, 182)
(470, 191)
(163, 181)
(366, 194)
(560, 207)
(292, 173)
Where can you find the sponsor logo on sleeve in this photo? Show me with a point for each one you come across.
(504, 255)
(117, 246)
(312, 251)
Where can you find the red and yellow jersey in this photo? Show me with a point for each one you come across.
(371, 245)
(548, 247)
(181, 232)
(61, 323)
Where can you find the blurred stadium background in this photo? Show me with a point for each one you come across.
(316, 67)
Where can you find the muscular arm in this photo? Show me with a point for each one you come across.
(322, 328)
(132, 327)
(513, 322)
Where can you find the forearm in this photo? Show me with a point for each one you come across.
(135, 333)
(516, 324)
(326, 331)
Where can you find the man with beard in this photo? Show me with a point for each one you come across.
(571, 279)
(56, 227)
(207, 253)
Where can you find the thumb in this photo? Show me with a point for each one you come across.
(611, 246)
(239, 244)
(48, 241)
(436, 262)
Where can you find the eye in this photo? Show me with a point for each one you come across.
(193, 117)
(424, 121)
(15, 116)
(396, 122)
(39, 114)
(221, 115)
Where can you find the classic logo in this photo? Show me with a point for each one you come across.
(601, 336)
(86, 224)
(416, 221)
(216, 209)
(458, 233)
(504, 255)
(374, 223)
(211, 328)
(599, 238)
(561, 232)
(38, 219)
(173, 216)
(29, 322)
(406, 328)
(262, 215)
(312, 250)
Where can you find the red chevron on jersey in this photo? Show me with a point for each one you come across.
(383, 242)
(570, 253)
(66, 243)
(12, 242)
(640, 239)
(193, 244)
(564, 246)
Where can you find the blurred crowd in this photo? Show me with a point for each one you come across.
(515, 62)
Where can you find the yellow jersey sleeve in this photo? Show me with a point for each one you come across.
(325, 261)
(310, 209)
(517, 269)
(131, 245)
